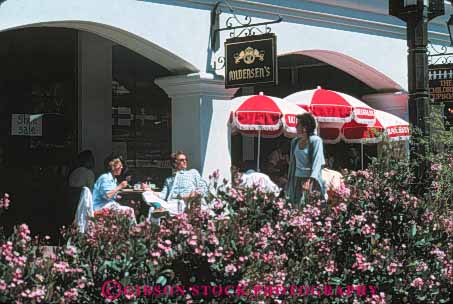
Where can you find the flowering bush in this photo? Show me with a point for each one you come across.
(4, 202)
(375, 242)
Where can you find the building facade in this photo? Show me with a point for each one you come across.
(138, 77)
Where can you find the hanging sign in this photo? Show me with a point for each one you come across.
(251, 60)
(26, 125)
(441, 82)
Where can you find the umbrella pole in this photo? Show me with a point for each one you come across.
(259, 150)
(361, 153)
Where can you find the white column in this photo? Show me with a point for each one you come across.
(200, 110)
(95, 96)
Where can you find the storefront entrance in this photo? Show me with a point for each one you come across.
(38, 109)
(56, 99)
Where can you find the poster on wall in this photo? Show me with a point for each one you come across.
(26, 125)
(251, 60)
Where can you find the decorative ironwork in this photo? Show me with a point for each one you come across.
(439, 54)
(219, 61)
(239, 26)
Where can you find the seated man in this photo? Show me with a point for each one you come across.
(184, 185)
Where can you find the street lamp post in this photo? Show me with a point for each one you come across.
(417, 14)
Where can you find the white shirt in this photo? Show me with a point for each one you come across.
(252, 179)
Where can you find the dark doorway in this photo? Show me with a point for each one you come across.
(38, 129)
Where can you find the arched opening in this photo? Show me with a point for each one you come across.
(66, 89)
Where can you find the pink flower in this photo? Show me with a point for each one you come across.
(417, 283)
(213, 240)
(155, 254)
(378, 299)
(71, 294)
(3, 285)
(368, 230)
(330, 267)
(361, 263)
(24, 233)
(218, 205)
(343, 191)
(230, 269)
(192, 241)
(4, 202)
(37, 294)
(392, 268)
(71, 251)
(439, 253)
(421, 267)
(61, 267)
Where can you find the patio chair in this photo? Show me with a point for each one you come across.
(84, 209)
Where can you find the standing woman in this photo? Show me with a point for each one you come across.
(306, 161)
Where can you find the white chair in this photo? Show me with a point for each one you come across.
(84, 209)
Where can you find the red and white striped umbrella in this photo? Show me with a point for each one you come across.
(266, 115)
(388, 125)
(332, 106)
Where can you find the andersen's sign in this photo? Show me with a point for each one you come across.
(250, 60)
(441, 82)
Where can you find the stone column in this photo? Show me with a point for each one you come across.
(95, 96)
(200, 110)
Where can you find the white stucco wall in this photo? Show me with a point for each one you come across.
(176, 33)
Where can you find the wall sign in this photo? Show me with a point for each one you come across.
(22, 126)
(251, 60)
(441, 82)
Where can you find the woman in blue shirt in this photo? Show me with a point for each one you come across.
(105, 189)
(306, 161)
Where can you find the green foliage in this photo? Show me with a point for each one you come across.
(377, 231)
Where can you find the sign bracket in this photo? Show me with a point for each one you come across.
(234, 23)
(439, 55)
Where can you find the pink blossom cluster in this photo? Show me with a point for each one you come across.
(4, 202)
(71, 295)
(64, 267)
(37, 294)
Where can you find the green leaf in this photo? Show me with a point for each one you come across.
(413, 231)
(162, 280)
(233, 245)
(335, 281)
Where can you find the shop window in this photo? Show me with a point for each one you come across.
(141, 123)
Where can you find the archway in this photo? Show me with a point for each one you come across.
(90, 92)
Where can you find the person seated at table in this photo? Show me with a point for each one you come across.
(106, 188)
(251, 179)
(183, 185)
(280, 156)
(83, 175)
